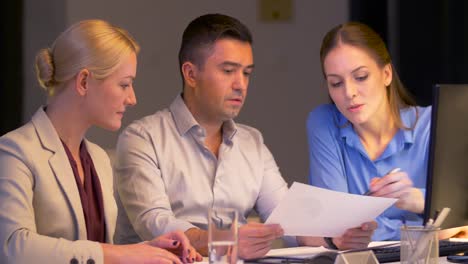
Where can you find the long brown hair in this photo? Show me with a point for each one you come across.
(363, 37)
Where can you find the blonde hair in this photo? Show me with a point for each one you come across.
(95, 45)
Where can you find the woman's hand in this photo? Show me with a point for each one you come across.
(398, 185)
(356, 238)
(177, 243)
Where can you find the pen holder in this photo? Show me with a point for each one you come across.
(362, 257)
(419, 245)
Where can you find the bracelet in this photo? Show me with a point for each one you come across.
(330, 243)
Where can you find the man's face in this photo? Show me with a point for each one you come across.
(222, 81)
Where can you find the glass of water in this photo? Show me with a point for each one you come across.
(222, 236)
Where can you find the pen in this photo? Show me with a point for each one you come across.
(441, 217)
(395, 170)
(429, 223)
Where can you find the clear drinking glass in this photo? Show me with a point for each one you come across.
(419, 245)
(222, 236)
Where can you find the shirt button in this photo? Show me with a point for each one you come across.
(73, 261)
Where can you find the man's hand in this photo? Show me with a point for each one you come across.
(255, 239)
(199, 240)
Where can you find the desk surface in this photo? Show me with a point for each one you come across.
(442, 260)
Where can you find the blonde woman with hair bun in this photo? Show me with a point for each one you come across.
(56, 187)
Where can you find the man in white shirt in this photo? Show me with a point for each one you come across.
(174, 165)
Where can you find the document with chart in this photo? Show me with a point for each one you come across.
(311, 211)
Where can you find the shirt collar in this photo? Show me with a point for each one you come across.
(409, 116)
(183, 118)
(185, 121)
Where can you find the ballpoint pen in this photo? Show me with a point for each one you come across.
(395, 170)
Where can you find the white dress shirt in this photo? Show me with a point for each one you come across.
(167, 178)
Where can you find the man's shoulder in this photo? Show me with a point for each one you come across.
(151, 122)
(248, 132)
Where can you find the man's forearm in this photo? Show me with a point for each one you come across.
(199, 240)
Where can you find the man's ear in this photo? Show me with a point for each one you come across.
(82, 82)
(189, 71)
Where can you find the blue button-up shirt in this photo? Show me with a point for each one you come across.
(339, 161)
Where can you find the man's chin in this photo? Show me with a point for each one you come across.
(232, 115)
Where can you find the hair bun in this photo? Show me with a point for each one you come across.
(45, 69)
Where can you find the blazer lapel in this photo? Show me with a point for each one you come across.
(104, 172)
(61, 167)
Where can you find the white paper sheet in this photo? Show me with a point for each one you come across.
(297, 252)
(310, 211)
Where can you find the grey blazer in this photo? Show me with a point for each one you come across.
(41, 218)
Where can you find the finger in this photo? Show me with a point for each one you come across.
(261, 252)
(353, 245)
(254, 251)
(164, 242)
(184, 243)
(396, 177)
(374, 181)
(398, 194)
(262, 231)
(369, 226)
(251, 241)
(162, 260)
(363, 237)
(198, 257)
(168, 255)
(193, 255)
(392, 188)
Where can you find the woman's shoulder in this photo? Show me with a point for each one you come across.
(323, 114)
(419, 114)
(19, 138)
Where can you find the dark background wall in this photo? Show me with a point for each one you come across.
(428, 40)
(11, 67)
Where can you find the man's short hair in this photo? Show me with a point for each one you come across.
(201, 34)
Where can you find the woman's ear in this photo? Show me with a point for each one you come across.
(82, 82)
(388, 74)
(189, 71)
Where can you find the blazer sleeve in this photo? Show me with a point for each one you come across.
(19, 240)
